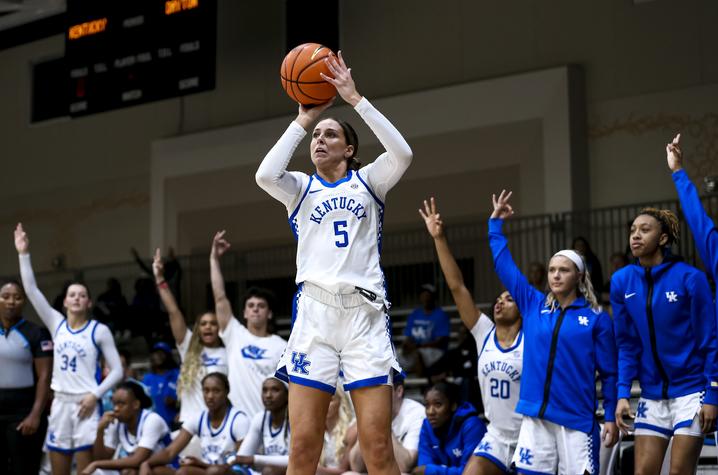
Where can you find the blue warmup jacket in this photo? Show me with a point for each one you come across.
(665, 326)
(563, 349)
(703, 229)
(448, 454)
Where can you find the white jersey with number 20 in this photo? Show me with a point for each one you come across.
(500, 378)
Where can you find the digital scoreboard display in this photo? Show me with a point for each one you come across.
(120, 53)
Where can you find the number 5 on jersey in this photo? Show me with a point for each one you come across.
(340, 232)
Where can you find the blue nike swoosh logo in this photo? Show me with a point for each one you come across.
(314, 191)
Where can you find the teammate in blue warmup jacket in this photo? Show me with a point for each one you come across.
(665, 330)
(449, 434)
(500, 348)
(567, 339)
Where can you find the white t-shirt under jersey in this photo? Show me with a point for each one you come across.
(214, 360)
(406, 426)
(253, 359)
(499, 378)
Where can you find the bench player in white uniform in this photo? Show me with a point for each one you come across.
(78, 344)
(340, 322)
(220, 430)
(500, 350)
(253, 350)
(129, 434)
(267, 442)
(200, 349)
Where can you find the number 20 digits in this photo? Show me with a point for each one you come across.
(500, 388)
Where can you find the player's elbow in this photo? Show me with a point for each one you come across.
(405, 155)
(263, 178)
(266, 178)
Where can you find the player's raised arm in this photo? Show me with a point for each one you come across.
(272, 175)
(177, 323)
(390, 166)
(223, 308)
(49, 316)
(702, 226)
(454, 279)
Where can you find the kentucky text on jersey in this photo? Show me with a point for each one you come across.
(503, 367)
(76, 347)
(338, 202)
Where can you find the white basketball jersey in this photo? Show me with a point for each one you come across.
(217, 444)
(499, 378)
(339, 229)
(274, 441)
(76, 362)
(152, 433)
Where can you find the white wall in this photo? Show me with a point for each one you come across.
(83, 186)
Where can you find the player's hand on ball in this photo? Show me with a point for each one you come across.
(342, 79)
(432, 219)
(307, 115)
(502, 208)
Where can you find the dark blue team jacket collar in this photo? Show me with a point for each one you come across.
(668, 260)
(580, 302)
(463, 412)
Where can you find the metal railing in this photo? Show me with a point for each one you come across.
(408, 258)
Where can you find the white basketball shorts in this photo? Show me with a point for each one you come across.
(66, 431)
(545, 447)
(335, 334)
(668, 417)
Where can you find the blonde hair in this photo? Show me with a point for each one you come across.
(585, 288)
(192, 369)
(345, 419)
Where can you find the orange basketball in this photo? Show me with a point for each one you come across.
(300, 74)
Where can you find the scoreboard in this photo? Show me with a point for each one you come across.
(120, 53)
